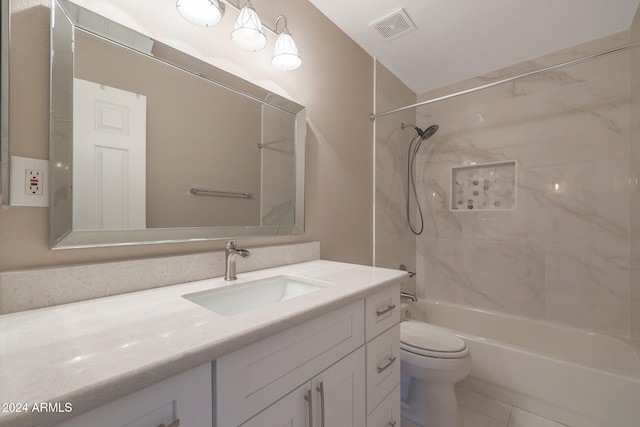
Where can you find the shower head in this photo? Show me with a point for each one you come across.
(428, 132)
(423, 134)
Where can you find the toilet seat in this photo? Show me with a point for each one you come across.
(431, 341)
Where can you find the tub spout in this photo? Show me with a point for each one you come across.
(407, 295)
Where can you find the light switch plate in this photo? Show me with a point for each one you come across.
(18, 195)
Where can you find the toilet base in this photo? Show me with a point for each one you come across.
(432, 405)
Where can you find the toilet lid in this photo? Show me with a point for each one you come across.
(430, 340)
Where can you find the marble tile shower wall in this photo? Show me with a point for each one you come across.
(563, 253)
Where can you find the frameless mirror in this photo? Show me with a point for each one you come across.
(150, 145)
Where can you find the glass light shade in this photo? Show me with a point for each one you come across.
(285, 54)
(205, 13)
(247, 32)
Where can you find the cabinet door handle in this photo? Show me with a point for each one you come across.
(320, 389)
(386, 310)
(392, 423)
(390, 361)
(176, 423)
(309, 399)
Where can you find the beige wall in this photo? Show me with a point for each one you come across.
(335, 83)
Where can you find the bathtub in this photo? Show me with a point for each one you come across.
(575, 377)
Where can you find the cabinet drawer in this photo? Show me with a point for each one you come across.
(382, 311)
(383, 366)
(255, 376)
(387, 413)
(186, 397)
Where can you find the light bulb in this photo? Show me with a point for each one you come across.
(247, 32)
(205, 13)
(285, 53)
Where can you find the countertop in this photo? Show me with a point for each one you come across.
(83, 355)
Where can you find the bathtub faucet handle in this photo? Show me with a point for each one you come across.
(404, 268)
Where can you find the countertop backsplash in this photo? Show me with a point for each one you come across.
(38, 288)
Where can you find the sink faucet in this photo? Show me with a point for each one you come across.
(230, 253)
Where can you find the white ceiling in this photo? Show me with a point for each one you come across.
(459, 39)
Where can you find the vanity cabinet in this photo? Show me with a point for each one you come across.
(339, 369)
(253, 378)
(343, 366)
(183, 400)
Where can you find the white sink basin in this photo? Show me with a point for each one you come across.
(235, 299)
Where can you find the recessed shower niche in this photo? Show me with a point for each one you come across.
(489, 186)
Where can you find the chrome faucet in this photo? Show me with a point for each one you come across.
(230, 253)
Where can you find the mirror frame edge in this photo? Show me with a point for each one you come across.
(66, 238)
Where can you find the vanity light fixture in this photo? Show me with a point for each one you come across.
(285, 53)
(247, 32)
(205, 13)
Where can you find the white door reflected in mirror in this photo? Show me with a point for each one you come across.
(109, 157)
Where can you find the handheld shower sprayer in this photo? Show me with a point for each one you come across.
(414, 147)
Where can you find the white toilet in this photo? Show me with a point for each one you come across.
(432, 359)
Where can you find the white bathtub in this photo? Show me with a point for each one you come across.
(575, 377)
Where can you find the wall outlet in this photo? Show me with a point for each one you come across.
(34, 182)
(29, 184)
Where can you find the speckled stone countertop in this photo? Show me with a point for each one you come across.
(88, 353)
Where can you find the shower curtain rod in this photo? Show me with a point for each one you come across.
(510, 79)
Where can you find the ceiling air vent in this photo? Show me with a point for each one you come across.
(394, 25)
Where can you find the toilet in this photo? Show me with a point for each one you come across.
(432, 359)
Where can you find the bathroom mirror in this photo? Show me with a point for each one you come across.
(151, 145)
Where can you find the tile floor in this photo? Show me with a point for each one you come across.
(481, 411)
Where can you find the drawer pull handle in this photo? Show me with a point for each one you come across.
(392, 423)
(390, 361)
(386, 310)
(176, 423)
(320, 389)
(309, 399)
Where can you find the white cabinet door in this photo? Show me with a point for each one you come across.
(340, 393)
(290, 411)
(185, 397)
(333, 398)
